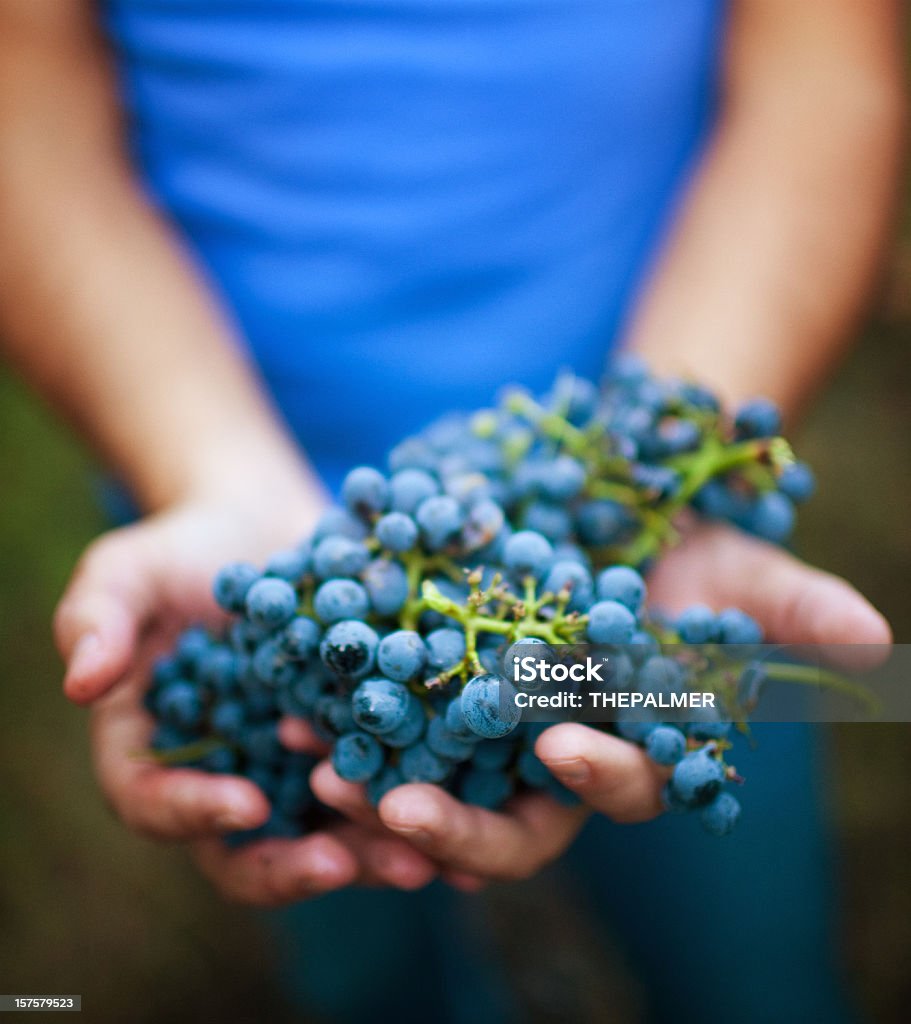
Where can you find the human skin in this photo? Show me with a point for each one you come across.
(771, 259)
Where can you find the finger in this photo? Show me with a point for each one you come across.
(611, 775)
(297, 734)
(348, 798)
(476, 841)
(166, 803)
(99, 617)
(273, 872)
(795, 603)
(385, 859)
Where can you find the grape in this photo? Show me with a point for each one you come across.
(551, 521)
(532, 770)
(289, 565)
(576, 579)
(218, 669)
(339, 522)
(665, 745)
(493, 754)
(192, 648)
(797, 482)
(388, 778)
(440, 519)
(483, 524)
(736, 627)
(622, 584)
(402, 655)
(419, 763)
(340, 599)
(482, 710)
(379, 704)
(232, 583)
(333, 716)
(489, 789)
(397, 532)
(409, 488)
(300, 638)
(365, 491)
(772, 517)
(601, 522)
(697, 625)
(445, 648)
(446, 744)
(349, 648)
(721, 815)
(610, 622)
(387, 586)
(564, 479)
(757, 418)
(357, 757)
(411, 728)
(525, 528)
(697, 779)
(339, 556)
(179, 705)
(271, 603)
(527, 554)
(271, 665)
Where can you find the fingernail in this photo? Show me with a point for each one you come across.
(413, 833)
(573, 772)
(84, 654)
(231, 821)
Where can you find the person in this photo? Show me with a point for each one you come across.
(248, 243)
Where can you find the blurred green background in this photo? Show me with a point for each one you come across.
(85, 907)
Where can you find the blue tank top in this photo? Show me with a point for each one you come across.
(406, 204)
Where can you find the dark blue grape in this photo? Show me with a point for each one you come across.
(349, 648)
(622, 584)
(357, 757)
(488, 706)
(698, 625)
(340, 599)
(665, 745)
(484, 788)
(527, 553)
(610, 622)
(418, 763)
(757, 418)
(402, 655)
(697, 779)
(232, 583)
(440, 519)
(339, 556)
(387, 586)
(446, 744)
(721, 815)
(365, 491)
(271, 603)
(397, 532)
(380, 705)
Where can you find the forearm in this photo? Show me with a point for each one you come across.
(777, 246)
(100, 308)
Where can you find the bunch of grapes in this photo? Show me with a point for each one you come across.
(520, 529)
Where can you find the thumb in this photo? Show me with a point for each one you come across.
(794, 602)
(101, 614)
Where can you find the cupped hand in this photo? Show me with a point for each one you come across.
(133, 591)
(720, 567)
(715, 565)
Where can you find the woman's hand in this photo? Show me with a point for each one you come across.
(133, 591)
(715, 565)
